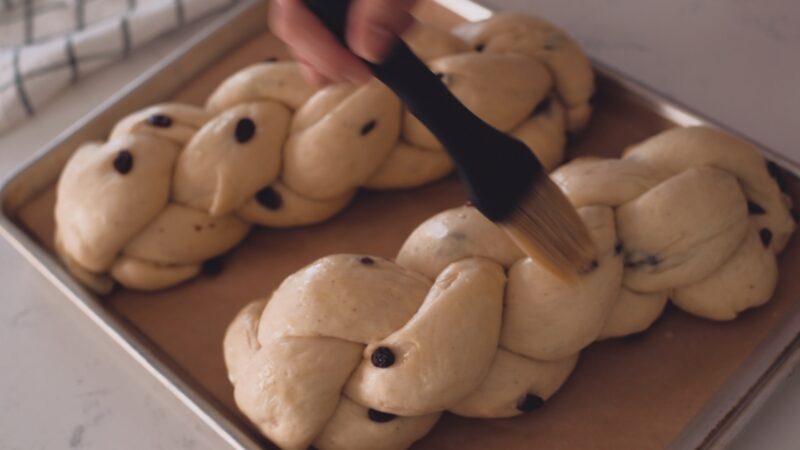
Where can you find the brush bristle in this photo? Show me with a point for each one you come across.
(547, 227)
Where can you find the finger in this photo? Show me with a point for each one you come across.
(316, 74)
(373, 26)
(299, 28)
(312, 75)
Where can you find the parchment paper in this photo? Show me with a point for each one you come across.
(630, 393)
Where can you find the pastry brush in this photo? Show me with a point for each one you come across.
(504, 179)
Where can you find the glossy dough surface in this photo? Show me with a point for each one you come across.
(463, 321)
(176, 185)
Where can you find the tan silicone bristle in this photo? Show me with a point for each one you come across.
(547, 227)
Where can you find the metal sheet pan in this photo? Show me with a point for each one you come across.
(714, 426)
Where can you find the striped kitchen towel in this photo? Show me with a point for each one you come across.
(46, 45)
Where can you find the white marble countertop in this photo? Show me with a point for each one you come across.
(65, 385)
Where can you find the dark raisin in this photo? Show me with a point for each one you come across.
(542, 107)
(380, 416)
(754, 208)
(618, 248)
(593, 265)
(480, 47)
(212, 266)
(553, 42)
(529, 403)
(777, 173)
(198, 228)
(269, 198)
(123, 163)
(773, 169)
(245, 130)
(368, 127)
(160, 120)
(651, 260)
(367, 261)
(766, 236)
(271, 59)
(382, 357)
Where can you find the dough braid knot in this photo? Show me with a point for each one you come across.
(360, 352)
(176, 185)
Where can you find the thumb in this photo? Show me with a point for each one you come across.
(374, 25)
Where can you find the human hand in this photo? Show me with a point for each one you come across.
(373, 26)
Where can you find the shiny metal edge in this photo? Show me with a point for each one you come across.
(715, 426)
(678, 112)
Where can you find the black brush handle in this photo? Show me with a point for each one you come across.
(496, 169)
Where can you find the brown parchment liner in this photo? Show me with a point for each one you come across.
(631, 393)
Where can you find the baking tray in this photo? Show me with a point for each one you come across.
(686, 383)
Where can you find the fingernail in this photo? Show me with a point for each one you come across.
(375, 44)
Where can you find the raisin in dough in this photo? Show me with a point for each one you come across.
(379, 348)
(135, 232)
(502, 90)
(373, 298)
(360, 352)
(679, 149)
(509, 33)
(557, 319)
(746, 280)
(515, 384)
(706, 214)
(689, 213)
(510, 92)
(338, 153)
(269, 149)
(278, 206)
(227, 161)
(172, 121)
(429, 42)
(133, 172)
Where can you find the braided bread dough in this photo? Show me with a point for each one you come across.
(509, 33)
(176, 185)
(463, 321)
